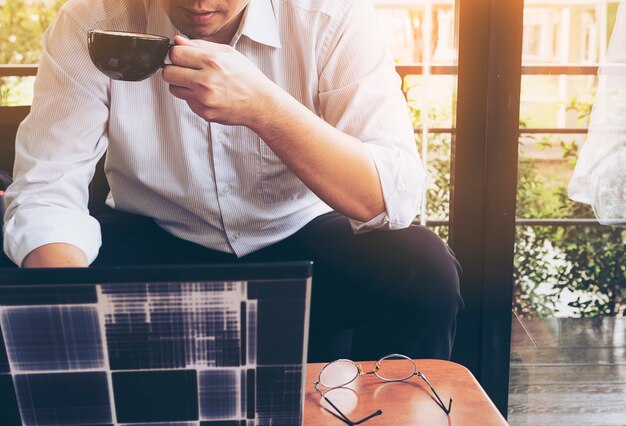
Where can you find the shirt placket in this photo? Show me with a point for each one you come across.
(226, 184)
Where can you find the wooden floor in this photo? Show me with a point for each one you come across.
(569, 371)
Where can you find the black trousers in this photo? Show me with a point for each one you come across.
(374, 293)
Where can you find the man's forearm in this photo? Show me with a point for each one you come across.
(334, 165)
(56, 255)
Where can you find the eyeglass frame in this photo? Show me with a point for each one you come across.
(361, 372)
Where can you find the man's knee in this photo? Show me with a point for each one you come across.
(424, 270)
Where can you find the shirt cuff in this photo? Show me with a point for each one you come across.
(33, 228)
(381, 221)
(401, 180)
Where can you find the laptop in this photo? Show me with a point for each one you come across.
(179, 346)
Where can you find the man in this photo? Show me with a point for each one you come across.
(277, 133)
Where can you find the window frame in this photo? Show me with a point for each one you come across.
(484, 185)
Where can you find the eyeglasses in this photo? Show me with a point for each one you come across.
(390, 368)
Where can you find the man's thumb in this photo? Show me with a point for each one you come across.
(184, 41)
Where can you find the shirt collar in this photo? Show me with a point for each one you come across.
(259, 24)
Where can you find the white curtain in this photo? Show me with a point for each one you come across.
(599, 178)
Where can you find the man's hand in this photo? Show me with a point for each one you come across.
(56, 255)
(218, 83)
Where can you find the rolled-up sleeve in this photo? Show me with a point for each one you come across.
(57, 148)
(360, 94)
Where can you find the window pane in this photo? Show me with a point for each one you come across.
(557, 101)
(568, 338)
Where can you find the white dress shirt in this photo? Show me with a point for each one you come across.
(219, 186)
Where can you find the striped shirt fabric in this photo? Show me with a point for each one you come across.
(216, 185)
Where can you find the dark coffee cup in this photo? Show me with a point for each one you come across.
(127, 56)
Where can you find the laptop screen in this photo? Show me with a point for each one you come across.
(182, 346)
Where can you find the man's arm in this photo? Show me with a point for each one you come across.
(56, 255)
(334, 165)
(57, 148)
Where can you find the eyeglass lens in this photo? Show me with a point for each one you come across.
(339, 373)
(395, 368)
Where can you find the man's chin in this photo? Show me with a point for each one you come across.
(197, 33)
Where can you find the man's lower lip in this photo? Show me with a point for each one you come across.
(200, 18)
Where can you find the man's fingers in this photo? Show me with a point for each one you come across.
(188, 96)
(184, 41)
(179, 76)
(199, 109)
(182, 93)
(194, 54)
(188, 56)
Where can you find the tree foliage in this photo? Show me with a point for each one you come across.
(22, 25)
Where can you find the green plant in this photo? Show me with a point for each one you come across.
(437, 164)
(534, 271)
(602, 251)
(22, 25)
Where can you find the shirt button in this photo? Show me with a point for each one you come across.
(221, 137)
(236, 235)
(227, 190)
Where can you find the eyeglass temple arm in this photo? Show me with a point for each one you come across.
(439, 401)
(364, 419)
(343, 416)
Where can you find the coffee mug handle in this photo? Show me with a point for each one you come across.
(166, 60)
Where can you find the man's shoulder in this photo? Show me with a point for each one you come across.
(334, 8)
(100, 13)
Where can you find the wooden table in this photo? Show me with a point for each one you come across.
(405, 403)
